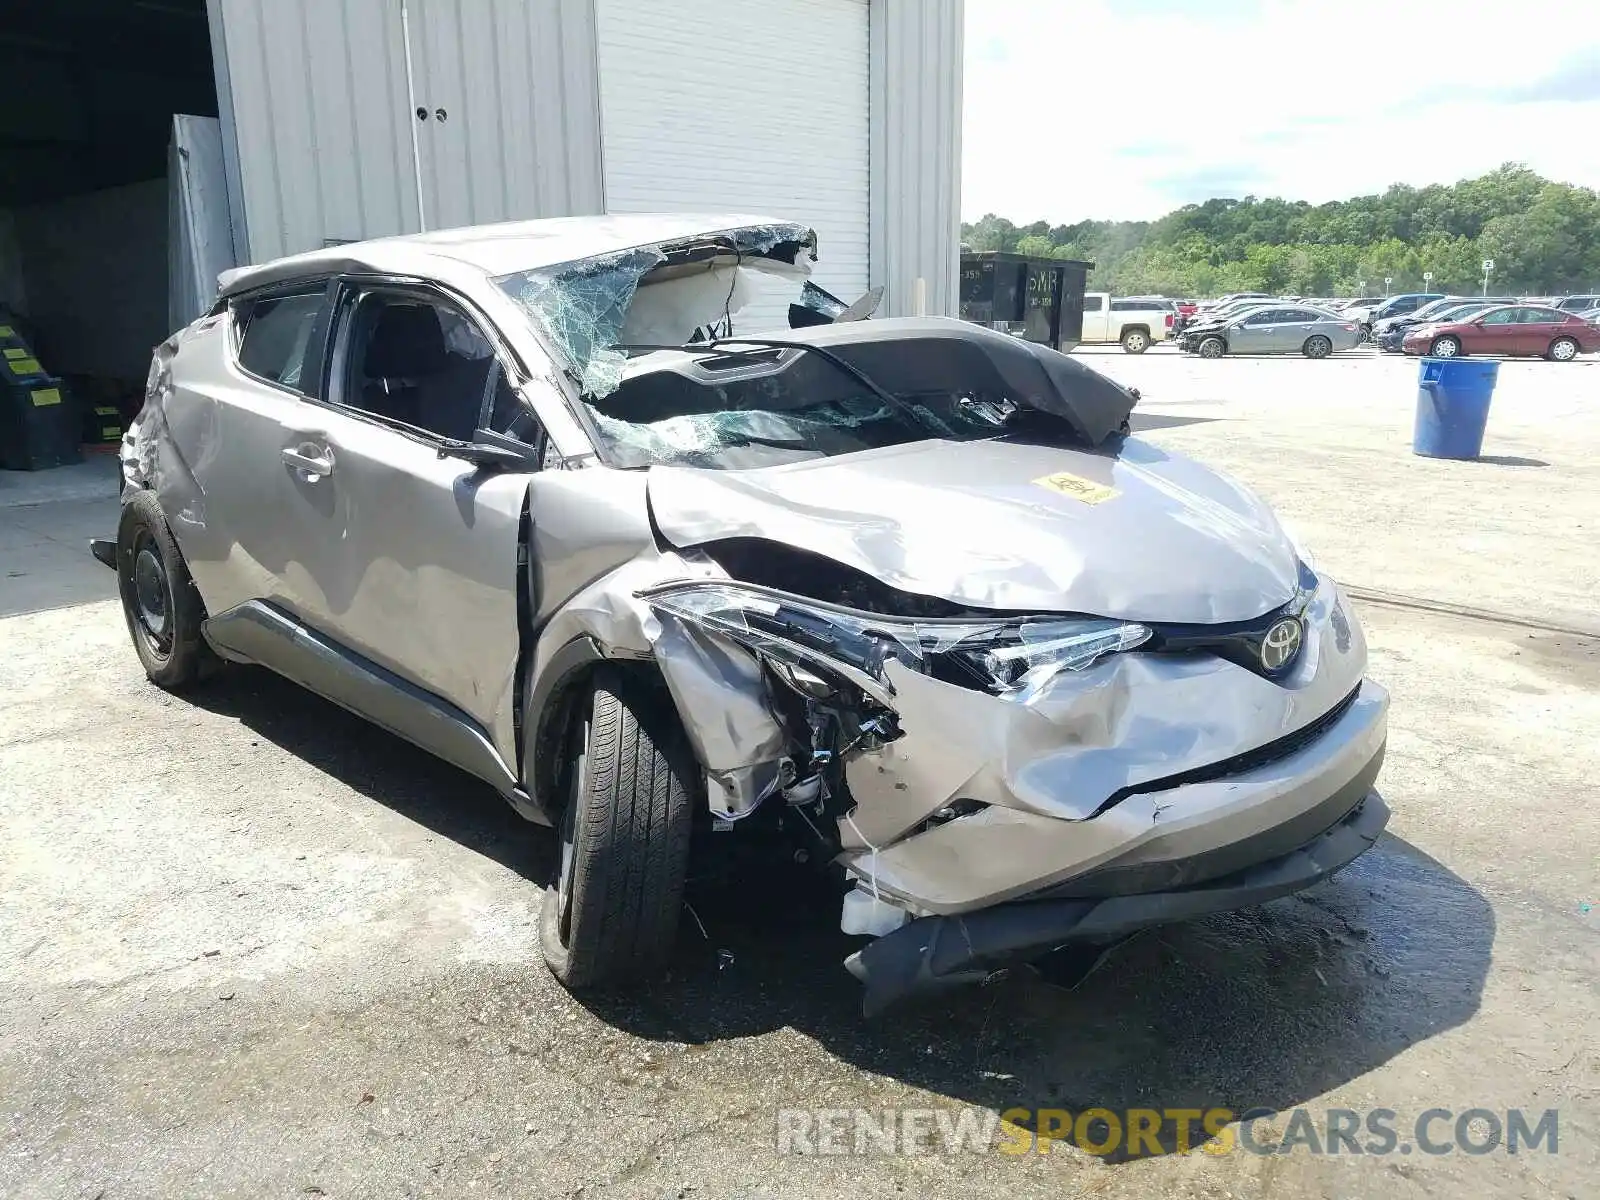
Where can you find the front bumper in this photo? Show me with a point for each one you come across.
(945, 951)
(1202, 822)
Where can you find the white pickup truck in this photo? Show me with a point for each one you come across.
(1135, 322)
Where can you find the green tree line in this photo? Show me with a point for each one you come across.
(1544, 238)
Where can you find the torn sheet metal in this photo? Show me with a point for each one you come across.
(719, 691)
(716, 687)
(964, 522)
(583, 307)
(171, 461)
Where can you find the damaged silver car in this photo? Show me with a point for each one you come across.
(903, 592)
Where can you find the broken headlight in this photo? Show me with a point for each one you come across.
(1022, 658)
(1012, 659)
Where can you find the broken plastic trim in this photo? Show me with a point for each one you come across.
(1011, 659)
(583, 305)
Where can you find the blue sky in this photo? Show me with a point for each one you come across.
(1130, 108)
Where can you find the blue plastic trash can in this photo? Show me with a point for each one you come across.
(1452, 406)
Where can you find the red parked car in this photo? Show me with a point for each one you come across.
(1508, 329)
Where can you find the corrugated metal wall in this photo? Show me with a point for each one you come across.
(320, 112)
(517, 82)
(916, 48)
(324, 121)
(779, 127)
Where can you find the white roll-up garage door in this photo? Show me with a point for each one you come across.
(753, 106)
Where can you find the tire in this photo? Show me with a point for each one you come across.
(1212, 347)
(1563, 349)
(1317, 346)
(610, 914)
(160, 603)
(1447, 346)
(1135, 341)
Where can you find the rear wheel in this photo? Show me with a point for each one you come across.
(1445, 347)
(163, 609)
(611, 913)
(1317, 346)
(1212, 347)
(1135, 341)
(1563, 349)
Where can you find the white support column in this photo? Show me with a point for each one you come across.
(915, 154)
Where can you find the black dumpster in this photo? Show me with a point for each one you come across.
(1036, 299)
(38, 423)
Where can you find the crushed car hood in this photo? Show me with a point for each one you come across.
(1129, 531)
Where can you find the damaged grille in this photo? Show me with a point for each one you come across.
(1261, 756)
(1239, 643)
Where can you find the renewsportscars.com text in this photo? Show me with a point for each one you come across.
(1139, 1132)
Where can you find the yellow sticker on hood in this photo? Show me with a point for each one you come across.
(1077, 487)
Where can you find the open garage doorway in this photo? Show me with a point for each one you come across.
(88, 93)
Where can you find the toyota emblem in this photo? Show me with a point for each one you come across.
(1280, 645)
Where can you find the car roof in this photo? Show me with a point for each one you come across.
(493, 250)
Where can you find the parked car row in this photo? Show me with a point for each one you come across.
(1389, 332)
(1411, 323)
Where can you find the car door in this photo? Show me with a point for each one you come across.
(1294, 327)
(1254, 334)
(407, 554)
(231, 387)
(1495, 332)
(1096, 320)
(1536, 328)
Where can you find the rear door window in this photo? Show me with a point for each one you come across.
(275, 334)
(1093, 303)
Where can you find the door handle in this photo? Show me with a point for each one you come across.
(313, 466)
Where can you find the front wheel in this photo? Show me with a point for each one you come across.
(1563, 349)
(1135, 341)
(160, 603)
(1213, 347)
(1445, 347)
(611, 913)
(1317, 346)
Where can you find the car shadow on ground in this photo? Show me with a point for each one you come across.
(1266, 1008)
(378, 765)
(1262, 1009)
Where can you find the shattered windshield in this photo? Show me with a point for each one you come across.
(839, 389)
(673, 292)
(732, 409)
(790, 429)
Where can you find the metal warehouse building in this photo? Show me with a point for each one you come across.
(150, 143)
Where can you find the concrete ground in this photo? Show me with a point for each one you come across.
(253, 946)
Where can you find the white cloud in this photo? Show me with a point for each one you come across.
(1129, 108)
